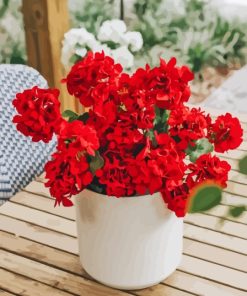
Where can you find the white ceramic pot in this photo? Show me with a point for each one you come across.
(127, 243)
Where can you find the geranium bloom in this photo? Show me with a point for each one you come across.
(169, 84)
(135, 137)
(67, 176)
(226, 133)
(39, 113)
(188, 125)
(176, 199)
(78, 138)
(93, 79)
(208, 167)
(115, 177)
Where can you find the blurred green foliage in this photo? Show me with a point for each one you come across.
(92, 13)
(197, 36)
(12, 45)
(194, 32)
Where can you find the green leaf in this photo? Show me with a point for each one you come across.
(74, 59)
(237, 211)
(243, 165)
(70, 114)
(202, 146)
(205, 198)
(96, 162)
(84, 117)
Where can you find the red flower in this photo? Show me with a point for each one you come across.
(77, 137)
(39, 114)
(93, 79)
(124, 137)
(115, 177)
(188, 125)
(169, 84)
(208, 167)
(176, 199)
(226, 133)
(67, 176)
(140, 148)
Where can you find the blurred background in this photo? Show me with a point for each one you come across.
(209, 36)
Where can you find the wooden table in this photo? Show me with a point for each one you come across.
(39, 253)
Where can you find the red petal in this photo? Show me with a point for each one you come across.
(67, 202)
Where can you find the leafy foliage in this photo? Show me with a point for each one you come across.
(198, 36)
(202, 146)
(12, 45)
(91, 13)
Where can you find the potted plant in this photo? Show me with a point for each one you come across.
(134, 162)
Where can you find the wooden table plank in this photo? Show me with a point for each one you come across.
(237, 177)
(214, 272)
(210, 222)
(161, 290)
(243, 146)
(235, 188)
(233, 200)
(5, 293)
(39, 218)
(39, 234)
(215, 238)
(222, 210)
(37, 188)
(201, 286)
(70, 262)
(55, 277)
(215, 254)
(44, 204)
(21, 285)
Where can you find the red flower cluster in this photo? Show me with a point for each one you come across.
(169, 84)
(68, 171)
(135, 137)
(208, 167)
(226, 133)
(39, 115)
(67, 176)
(93, 79)
(188, 125)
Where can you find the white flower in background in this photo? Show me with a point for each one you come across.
(123, 56)
(113, 30)
(134, 39)
(80, 36)
(77, 42)
(102, 47)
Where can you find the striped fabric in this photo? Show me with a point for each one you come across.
(20, 159)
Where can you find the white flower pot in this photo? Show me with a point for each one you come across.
(127, 243)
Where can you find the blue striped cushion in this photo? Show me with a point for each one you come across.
(20, 159)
